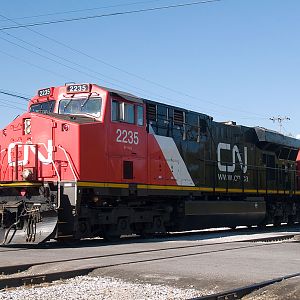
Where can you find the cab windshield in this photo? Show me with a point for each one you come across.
(43, 107)
(81, 106)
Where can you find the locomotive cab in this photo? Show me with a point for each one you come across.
(72, 99)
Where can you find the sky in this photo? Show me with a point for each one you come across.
(234, 60)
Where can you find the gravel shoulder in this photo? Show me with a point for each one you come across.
(109, 288)
(94, 287)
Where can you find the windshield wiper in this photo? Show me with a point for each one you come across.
(84, 103)
(66, 105)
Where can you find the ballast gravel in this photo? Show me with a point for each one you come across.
(86, 287)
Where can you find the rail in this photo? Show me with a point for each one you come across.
(239, 293)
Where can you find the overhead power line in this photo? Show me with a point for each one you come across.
(31, 64)
(8, 105)
(13, 95)
(110, 14)
(11, 102)
(178, 92)
(176, 102)
(173, 101)
(72, 62)
(119, 69)
(85, 9)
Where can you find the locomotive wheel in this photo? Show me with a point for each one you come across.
(141, 230)
(111, 237)
(67, 240)
(277, 221)
(113, 232)
(158, 225)
(262, 225)
(291, 220)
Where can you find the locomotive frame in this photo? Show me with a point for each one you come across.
(137, 166)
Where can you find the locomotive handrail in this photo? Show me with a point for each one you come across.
(69, 161)
(52, 162)
(1, 163)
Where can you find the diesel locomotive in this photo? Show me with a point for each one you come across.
(88, 161)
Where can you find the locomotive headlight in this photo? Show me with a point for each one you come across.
(27, 174)
(27, 126)
(65, 127)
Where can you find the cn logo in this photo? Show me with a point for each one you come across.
(45, 160)
(235, 154)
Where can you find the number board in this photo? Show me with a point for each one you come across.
(45, 92)
(78, 88)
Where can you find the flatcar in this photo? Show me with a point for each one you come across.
(87, 161)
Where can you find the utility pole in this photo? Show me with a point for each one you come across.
(280, 119)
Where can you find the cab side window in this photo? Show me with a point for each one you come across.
(140, 115)
(115, 111)
(127, 113)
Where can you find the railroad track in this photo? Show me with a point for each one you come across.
(238, 293)
(203, 234)
(5, 270)
(23, 278)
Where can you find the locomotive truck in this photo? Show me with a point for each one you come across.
(87, 161)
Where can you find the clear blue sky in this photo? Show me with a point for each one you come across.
(233, 59)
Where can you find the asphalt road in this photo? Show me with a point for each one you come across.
(210, 263)
(217, 271)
